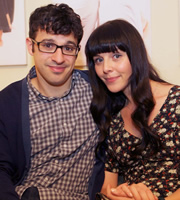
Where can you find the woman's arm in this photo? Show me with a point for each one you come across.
(174, 196)
(124, 191)
(138, 191)
(109, 179)
(110, 183)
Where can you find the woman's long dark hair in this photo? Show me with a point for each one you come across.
(113, 35)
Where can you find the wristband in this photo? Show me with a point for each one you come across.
(161, 198)
(100, 196)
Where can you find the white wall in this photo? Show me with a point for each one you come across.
(165, 42)
(165, 38)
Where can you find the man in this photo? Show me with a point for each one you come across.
(47, 134)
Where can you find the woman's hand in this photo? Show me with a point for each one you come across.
(135, 191)
(118, 193)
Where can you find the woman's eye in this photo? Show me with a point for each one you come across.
(98, 60)
(116, 56)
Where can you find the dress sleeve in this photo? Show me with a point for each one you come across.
(111, 164)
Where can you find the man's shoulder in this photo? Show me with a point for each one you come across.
(12, 91)
(84, 74)
(12, 86)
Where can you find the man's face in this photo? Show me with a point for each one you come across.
(53, 69)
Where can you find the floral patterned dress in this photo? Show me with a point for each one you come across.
(160, 172)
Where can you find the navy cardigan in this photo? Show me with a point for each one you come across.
(15, 147)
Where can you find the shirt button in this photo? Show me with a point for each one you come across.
(56, 161)
(46, 179)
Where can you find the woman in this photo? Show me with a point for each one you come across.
(138, 115)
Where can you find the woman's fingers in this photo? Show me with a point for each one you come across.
(122, 190)
(141, 192)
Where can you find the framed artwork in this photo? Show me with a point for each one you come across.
(12, 33)
(95, 12)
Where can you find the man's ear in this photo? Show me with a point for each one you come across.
(29, 44)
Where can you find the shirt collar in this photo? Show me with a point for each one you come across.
(32, 74)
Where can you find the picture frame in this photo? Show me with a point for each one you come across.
(13, 42)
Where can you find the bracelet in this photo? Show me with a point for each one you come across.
(161, 198)
(100, 196)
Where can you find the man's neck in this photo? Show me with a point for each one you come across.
(51, 90)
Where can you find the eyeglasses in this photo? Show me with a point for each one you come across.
(49, 47)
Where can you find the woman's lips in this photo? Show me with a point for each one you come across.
(111, 79)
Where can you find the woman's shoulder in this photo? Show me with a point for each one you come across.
(172, 102)
(163, 90)
(174, 94)
(164, 93)
(176, 89)
(170, 91)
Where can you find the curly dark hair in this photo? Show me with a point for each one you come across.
(56, 19)
(113, 35)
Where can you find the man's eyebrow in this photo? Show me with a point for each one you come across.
(53, 41)
(73, 43)
(48, 40)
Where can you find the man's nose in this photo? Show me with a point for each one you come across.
(58, 56)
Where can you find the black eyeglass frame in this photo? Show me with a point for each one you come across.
(57, 46)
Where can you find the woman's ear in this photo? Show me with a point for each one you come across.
(29, 44)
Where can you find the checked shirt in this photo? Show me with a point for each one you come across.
(63, 142)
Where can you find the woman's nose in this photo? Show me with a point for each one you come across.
(107, 66)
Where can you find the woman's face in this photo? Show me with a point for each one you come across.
(114, 69)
